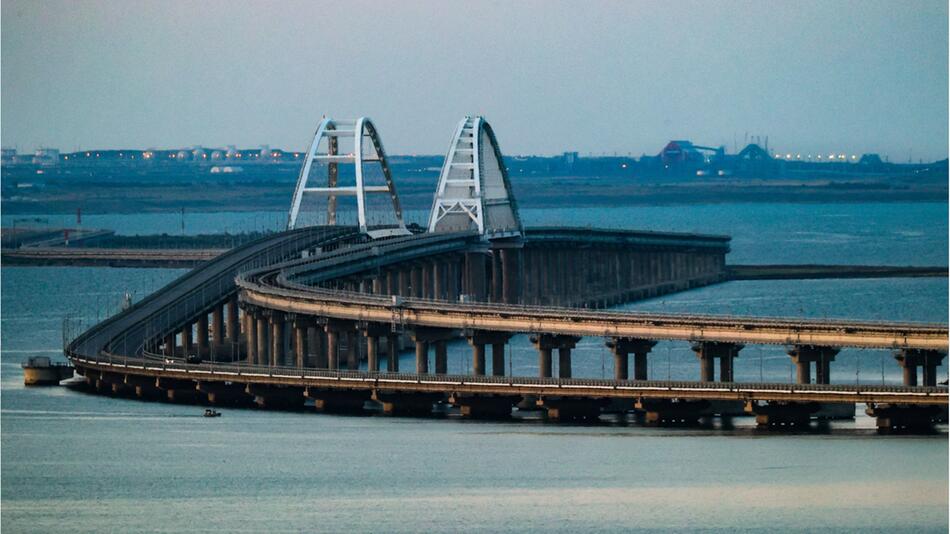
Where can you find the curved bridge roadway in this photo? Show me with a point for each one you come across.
(270, 273)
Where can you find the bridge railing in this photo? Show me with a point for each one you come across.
(159, 362)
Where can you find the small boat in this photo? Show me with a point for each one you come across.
(212, 413)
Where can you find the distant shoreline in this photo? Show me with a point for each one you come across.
(550, 194)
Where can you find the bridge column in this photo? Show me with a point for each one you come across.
(352, 351)
(217, 327)
(622, 347)
(250, 328)
(232, 326)
(910, 359)
(404, 283)
(337, 332)
(392, 282)
(498, 359)
(300, 342)
(544, 275)
(422, 357)
(804, 355)
(424, 337)
(930, 361)
(475, 275)
(437, 268)
(333, 350)
(417, 284)
(545, 343)
(316, 347)
(497, 287)
(372, 354)
(186, 339)
(373, 332)
(478, 358)
(428, 276)
(392, 345)
(452, 283)
(511, 275)
(277, 339)
(203, 335)
(564, 362)
(707, 351)
(478, 339)
(169, 345)
(263, 347)
(441, 357)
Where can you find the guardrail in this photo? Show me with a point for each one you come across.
(382, 380)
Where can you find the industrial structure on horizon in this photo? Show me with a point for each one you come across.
(678, 159)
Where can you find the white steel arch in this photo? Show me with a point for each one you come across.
(327, 147)
(474, 191)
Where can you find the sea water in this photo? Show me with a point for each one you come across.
(83, 462)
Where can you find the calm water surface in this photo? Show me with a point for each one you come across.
(88, 463)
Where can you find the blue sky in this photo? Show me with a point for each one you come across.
(598, 77)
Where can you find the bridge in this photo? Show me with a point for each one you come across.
(293, 317)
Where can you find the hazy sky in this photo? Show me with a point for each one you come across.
(594, 77)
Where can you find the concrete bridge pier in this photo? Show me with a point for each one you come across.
(674, 412)
(250, 337)
(277, 354)
(217, 328)
(144, 387)
(424, 338)
(232, 326)
(478, 357)
(621, 348)
(708, 351)
(263, 348)
(511, 268)
(422, 356)
(475, 276)
(911, 359)
(545, 343)
(804, 355)
(441, 357)
(372, 332)
(203, 335)
(782, 414)
(372, 354)
(415, 274)
(337, 401)
(285, 398)
(177, 390)
(339, 333)
(906, 418)
(317, 346)
(186, 339)
(352, 350)
(484, 406)
(392, 347)
(567, 408)
(479, 339)
(399, 403)
(168, 345)
(221, 394)
(301, 325)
